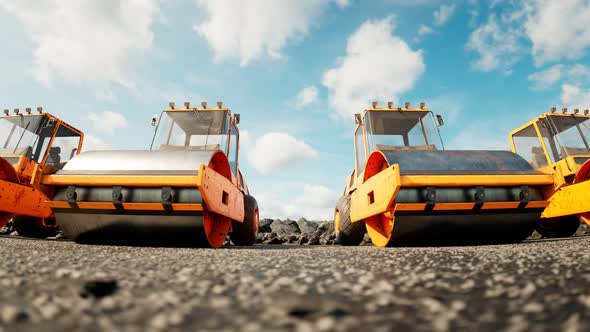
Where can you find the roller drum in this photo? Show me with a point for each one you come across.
(117, 228)
(461, 227)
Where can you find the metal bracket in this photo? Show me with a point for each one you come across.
(72, 196)
(118, 197)
(479, 197)
(167, 198)
(524, 196)
(430, 198)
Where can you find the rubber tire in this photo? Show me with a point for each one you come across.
(245, 233)
(558, 227)
(32, 227)
(350, 234)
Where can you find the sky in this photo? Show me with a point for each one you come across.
(296, 71)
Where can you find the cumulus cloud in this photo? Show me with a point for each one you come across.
(85, 41)
(313, 202)
(573, 96)
(377, 65)
(558, 29)
(576, 74)
(423, 30)
(249, 29)
(545, 79)
(499, 46)
(443, 14)
(274, 151)
(550, 30)
(107, 122)
(92, 143)
(307, 96)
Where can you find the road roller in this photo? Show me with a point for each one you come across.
(186, 190)
(406, 189)
(557, 143)
(33, 145)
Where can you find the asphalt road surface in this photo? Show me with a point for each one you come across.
(59, 286)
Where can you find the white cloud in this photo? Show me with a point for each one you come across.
(274, 151)
(377, 65)
(550, 30)
(249, 29)
(85, 41)
(545, 79)
(499, 46)
(92, 143)
(315, 202)
(107, 121)
(307, 96)
(558, 29)
(479, 136)
(576, 74)
(423, 30)
(443, 14)
(575, 97)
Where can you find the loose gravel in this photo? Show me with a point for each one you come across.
(61, 286)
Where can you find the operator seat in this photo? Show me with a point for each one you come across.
(54, 160)
(539, 159)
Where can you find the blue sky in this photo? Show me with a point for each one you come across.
(296, 70)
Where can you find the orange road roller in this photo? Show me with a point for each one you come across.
(406, 189)
(33, 145)
(186, 190)
(558, 144)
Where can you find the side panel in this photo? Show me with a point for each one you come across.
(375, 195)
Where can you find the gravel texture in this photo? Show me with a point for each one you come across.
(59, 285)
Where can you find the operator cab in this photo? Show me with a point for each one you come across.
(389, 129)
(554, 137)
(40, 138)
(198, 129)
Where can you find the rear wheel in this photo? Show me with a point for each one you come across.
(245, 233)
(347, 233)
(34, 227)
(558, 227)
(4, 219)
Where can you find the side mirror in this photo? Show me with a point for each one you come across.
(237, 118)
(357, 118)
(439, 119)
(154, 120)
(50, 123)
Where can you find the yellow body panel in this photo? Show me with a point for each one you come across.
(569, 200)
(470, 180)
(375, 195)
(123, 180)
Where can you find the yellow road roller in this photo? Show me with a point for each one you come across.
(406, 189)
(32, 146)
(557, 143)
(186, 190)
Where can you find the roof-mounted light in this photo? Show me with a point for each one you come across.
(564, 110)
(374, 104)
(6, 111)
(576, 110)
(422, 105)
(16, 111)
(40, 110)
(28, 110)
(204, 104)
(407, 104)
(220, 105)
(389, 104)
(586, 112)
(187, 104)
(553, 109)
(171, 104)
